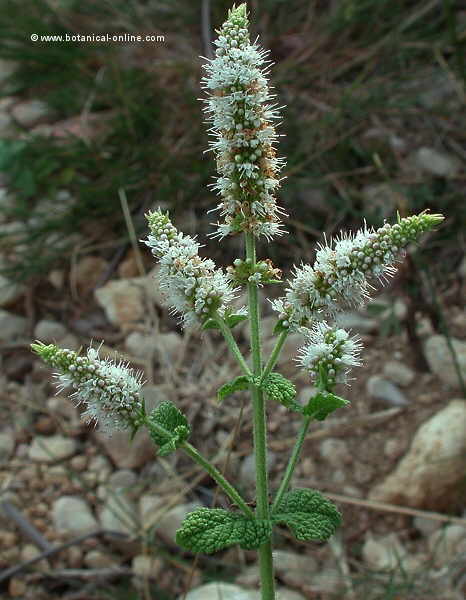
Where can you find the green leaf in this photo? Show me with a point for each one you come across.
(281, 390)
(308, 515)
(279, 327)
(230, 319)
(237, 384)
(322, 404)
(168, 416)
(208, 530)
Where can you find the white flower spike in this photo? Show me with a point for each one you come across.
(109, 390)
(242, 119)
(193, 286)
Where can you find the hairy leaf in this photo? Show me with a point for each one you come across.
(208, 530)
(324, 403)
(168, 416)
(308, 514)
(237, 384)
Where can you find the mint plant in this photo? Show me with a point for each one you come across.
(239, 108)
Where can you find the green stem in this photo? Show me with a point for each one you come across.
(260, 431)
(197, 457)
(229, 490)
(232, 345)
(292, 462)
(274, 356)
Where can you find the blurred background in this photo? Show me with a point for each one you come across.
(92, 136)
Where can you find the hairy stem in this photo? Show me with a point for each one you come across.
(292, 462)
(232, 345)
(274, 356)
(197, 457)
(260, 431)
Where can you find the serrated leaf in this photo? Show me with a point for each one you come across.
(242, 382)
(208, 530)
(281, 390)
(322, 404)
(308, 515)
(168, 416)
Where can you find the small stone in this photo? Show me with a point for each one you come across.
(426, 526)
(57, 278)
(399, 373)
(7, 444)
(169, 347)
(11, 326)
(247, 473)
(384, 553)
(249, 577)
(437, 163)
(101, 467)
(88, 272)
(10, 291)
(393, 449)
(441, 361)
(50, 449)
(334, 451)
(220, 591)
(444, 543)
(95, 559)
(72, 515)
(430, 474)
(356, 323)
(70, 341)
(28, 552)
(78, 463)
(122, 480)
(126, 454)
(122, 301)
(382, 389)
(171, 521)
(119, 514)
(65, 408)
(30, 112)
(74, 557)
(150, 509)
(381, 199)
(146, 566)
(48, 331)
(140, 345)
(295, 569)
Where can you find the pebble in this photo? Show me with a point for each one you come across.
(122, 480)
(17, 587)
(426, 526)
(7, 444)
(171, 521)
(220, 591)
(122, 301)
(50, 449)
(30, 112)
(447, 543)
(48, 331)
(295, 569)
(11, 326)
(146, 566)
(95, 559)
(399, 373)
(384, 553)
(101, 467)
(441, 361)
(126, 454)
(150, 506)
(28, 552)
(10, 291)
(430, 474)
(72, 515)
(78, 463)
(88, 272)
(356, 323)
(334, 451)
(119, 513)
(437, 163)
(247, 472)
(381, 389)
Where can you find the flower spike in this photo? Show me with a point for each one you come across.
(242, 119)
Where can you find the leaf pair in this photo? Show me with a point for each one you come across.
(307, 513)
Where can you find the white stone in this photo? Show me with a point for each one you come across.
(141, 345)
(444, 544)
(399, 373)
(73, 516)
(247, 473)
(146, 566)
(50, 449)
(437, 163)
(49, 331)
(122, 301)
(123, 480)
(150, 507)
(334, 451)
(441, 361)
(430, 474)
(384, 553)
(30, 112)
(171, 521)
(426, 526)
(220, 591)
(95, 559)
(293, 568)
(100, 465)
(119, 514)
(124, 453)
(382, 389)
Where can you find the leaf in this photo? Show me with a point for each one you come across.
(281, 390)
(208, 530)
(230, 319)
(279, 327)
(168, 416)
(322, 404)
(242, 382)
(308, 515)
